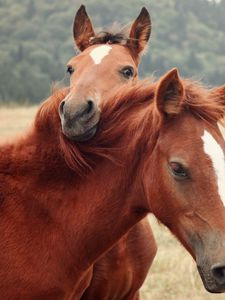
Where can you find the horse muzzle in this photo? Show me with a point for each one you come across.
(210, 259)
(79, 121)
(213, 277)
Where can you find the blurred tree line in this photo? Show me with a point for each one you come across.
(36, 40)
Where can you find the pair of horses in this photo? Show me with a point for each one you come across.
(95, 163)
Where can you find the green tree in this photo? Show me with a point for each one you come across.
(36, 40)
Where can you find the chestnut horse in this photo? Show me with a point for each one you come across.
(181, 183)
(107, 61)
(113, 57)
(55, 223)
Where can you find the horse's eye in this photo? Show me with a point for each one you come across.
(178, 170)
(70, 70)
(127, 72)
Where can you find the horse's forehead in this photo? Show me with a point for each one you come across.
(103, 55)
(183, 128)
(201, 147)
(99, 53)
(187, 135)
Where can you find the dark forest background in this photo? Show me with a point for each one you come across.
(36, 40)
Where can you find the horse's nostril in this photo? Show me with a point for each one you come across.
(90, 106)
(87, 109)
(72, 112)
(61, 106)
(218, 271)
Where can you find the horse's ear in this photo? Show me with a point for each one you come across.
(140, 33)
(82, 29)
(169, 93)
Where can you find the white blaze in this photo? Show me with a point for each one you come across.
(222, 129)
(215, 152)
(99, 53)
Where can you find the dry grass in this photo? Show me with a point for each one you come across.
(173, 275)
(15, 120)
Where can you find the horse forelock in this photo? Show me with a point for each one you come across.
(113, 35)
(105, 37)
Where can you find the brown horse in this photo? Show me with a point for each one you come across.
(52, 228)
(107, 61)
(113, 57)
(55, 223)
(180, 182)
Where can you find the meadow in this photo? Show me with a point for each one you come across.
(173, 275)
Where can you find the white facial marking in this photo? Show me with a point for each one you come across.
(215, 152)
(222, 129)
(99, 53)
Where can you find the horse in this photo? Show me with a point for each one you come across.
(180, 182)
(114, 56)
(52, 229)
(64, 203)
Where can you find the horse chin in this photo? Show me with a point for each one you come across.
(85, 136)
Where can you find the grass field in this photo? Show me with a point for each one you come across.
(173, 275)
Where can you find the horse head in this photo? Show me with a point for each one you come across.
(106, 61)
(184, 176)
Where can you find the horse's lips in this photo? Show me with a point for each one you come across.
(85, 136)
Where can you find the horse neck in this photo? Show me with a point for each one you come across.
(114, 194)
(109, 206)
(33, 151)
(108, 201)
(86, 208)
(92, 212)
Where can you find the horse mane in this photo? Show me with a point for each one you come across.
(112, 126)
(113, 35)
(135, 100)
(203, 102)
(130, 110)
(47, 125)
(48, 111)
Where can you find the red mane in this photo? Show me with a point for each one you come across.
(141, 123)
